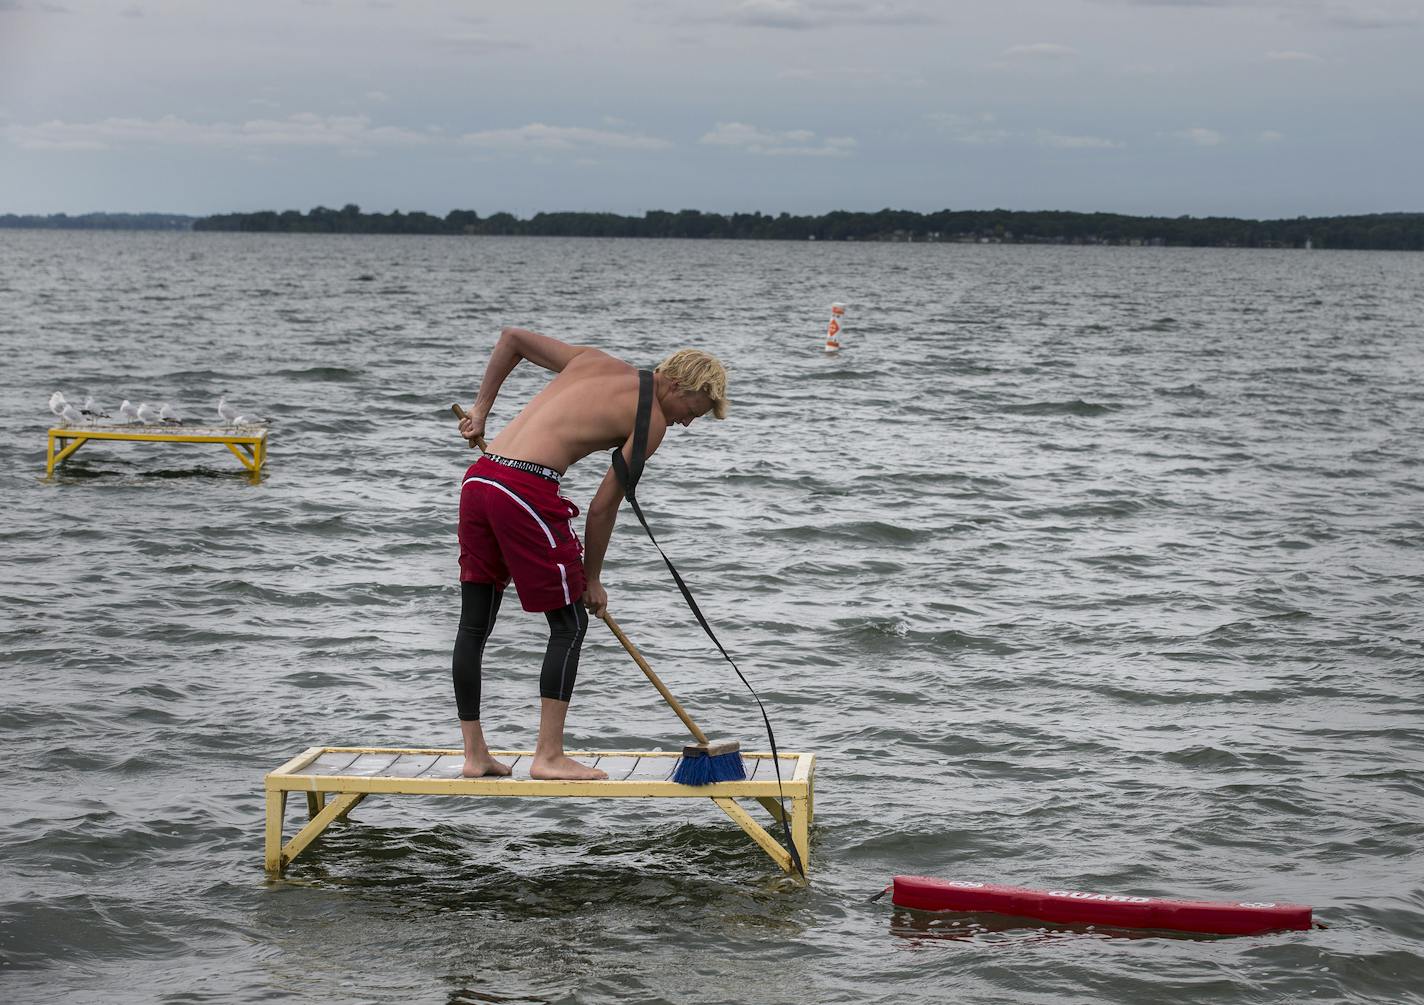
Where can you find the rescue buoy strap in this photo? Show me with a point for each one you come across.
(629, 475)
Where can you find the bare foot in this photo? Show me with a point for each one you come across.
(479, 767)
(564, 767)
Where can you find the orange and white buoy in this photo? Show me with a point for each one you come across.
(833, 330)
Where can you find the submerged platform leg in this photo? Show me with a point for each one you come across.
(244, 455)
(56, 458)
(278, 855)
(252, 455)
(801, 826)
(343, 804)
(272, 851)
(756, 832)
(798, 821)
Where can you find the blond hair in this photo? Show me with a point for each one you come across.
(695, 370)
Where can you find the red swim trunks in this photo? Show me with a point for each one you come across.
(514, 523)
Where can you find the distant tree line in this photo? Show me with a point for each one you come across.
(1384, 231)
(1381, 231)
(99, 221)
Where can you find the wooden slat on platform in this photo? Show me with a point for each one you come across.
(411, 765)
(639, 773)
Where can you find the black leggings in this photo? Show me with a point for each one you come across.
(479, 606)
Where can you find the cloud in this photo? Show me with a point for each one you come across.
(1291, 56)
(1358, 14)
(476, 43)
(1270, 136)
(1199, 3)
(774, 14)
(1200, 136)
(1147, 69)
(52, 136)
(1051, 139)
(980, 130)
(972, 130)
(958, 120)
(843, 72)
(1379, 14)
(983, 137)
(803, 15)
(1040, 50)
(791, 143)
(346, 132)
(542, 138)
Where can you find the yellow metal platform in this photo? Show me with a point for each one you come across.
(350, 774)
(248, 443)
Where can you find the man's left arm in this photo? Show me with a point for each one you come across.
(514, 344)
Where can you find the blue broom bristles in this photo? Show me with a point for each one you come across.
(697, 767)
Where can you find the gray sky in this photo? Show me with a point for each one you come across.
(1259, 108)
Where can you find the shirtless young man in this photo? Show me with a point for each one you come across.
(514, 524)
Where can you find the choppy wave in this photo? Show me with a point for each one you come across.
(1074, 407)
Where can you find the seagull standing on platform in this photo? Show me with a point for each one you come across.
(168, 414)
(57, 403)
(91, 408)
(129, 413)
(228, 413)
(71, 415)
(147, 413)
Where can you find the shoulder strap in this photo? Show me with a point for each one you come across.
(641, 421)
(629, 478)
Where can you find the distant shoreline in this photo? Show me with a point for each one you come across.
(99, 221)
(1374, 231)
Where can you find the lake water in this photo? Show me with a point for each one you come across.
(1086, 568)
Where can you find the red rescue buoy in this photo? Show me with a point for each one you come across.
(1076, 907)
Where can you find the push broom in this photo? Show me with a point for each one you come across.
(703, 762)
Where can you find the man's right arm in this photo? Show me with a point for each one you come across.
(514, 344)
(603, 514)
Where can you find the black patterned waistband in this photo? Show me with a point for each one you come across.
(527, 466)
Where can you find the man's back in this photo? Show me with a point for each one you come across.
(589, 405)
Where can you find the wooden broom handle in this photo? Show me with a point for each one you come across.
(478, 441)
(697, 734)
